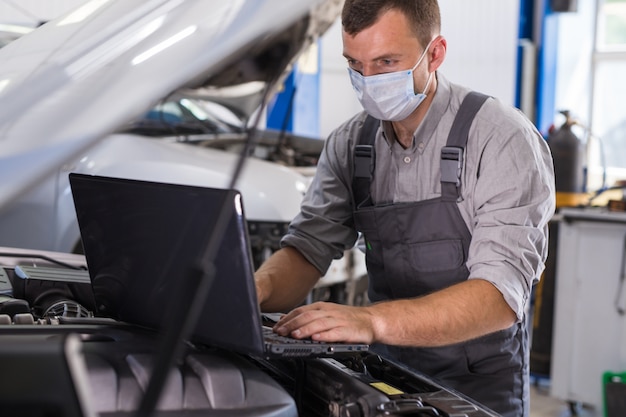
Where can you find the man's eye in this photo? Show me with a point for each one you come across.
(354, 65)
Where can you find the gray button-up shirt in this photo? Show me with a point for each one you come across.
(507, 190)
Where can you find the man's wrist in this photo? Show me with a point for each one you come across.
(378, 323)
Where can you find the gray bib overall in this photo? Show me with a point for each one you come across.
(413, 249)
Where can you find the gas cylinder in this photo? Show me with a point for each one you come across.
(568, 154)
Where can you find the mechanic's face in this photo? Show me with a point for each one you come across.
(387, 46)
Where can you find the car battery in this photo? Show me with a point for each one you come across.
(367, 385)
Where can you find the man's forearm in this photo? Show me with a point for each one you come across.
(464, 311)
(284, 280)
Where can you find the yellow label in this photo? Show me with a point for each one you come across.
(386, 388)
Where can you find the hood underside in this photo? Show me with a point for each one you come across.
(78, 78)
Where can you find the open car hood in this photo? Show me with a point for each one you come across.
(80, 77)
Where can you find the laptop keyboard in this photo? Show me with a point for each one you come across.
(272, 337)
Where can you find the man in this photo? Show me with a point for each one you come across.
(454, 239)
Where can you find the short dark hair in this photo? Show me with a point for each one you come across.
(423, 15)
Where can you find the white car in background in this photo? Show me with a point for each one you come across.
(44, 218)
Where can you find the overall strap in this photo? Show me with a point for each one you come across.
(364, 161)
(453, 153)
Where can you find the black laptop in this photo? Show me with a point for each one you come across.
(143, 241)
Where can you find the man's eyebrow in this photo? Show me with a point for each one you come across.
(388, 56)
(378, 58)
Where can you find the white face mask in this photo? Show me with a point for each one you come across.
(390, 96)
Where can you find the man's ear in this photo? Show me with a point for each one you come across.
(437, 53)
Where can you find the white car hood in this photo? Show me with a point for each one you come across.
(262, 184)
(76, 79)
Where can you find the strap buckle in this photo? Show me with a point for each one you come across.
(364, 161)
(451, 164)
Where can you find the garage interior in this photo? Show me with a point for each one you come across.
(561, 62)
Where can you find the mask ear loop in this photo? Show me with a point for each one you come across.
(419, 61)
(430, 78)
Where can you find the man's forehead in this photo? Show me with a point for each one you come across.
(370, 45)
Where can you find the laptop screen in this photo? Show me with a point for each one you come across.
(142, 242)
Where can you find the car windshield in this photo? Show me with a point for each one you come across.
(187, 116)
(208, 110)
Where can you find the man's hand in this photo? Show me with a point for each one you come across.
(328, 322)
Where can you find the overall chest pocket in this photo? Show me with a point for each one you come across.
(435, 256)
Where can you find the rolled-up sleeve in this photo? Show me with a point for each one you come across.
(324, 228)
(512, 199)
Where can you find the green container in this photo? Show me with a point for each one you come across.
(614, 385)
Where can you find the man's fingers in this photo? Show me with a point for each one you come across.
(326, 322)
(301, 322)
